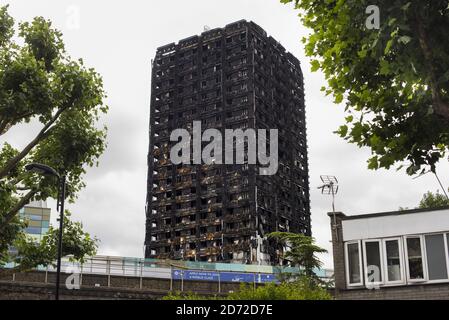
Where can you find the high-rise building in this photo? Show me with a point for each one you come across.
(38, 216)
(234, 77)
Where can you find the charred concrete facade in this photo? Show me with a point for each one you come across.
(235, 77)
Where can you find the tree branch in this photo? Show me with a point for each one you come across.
(441, 108)
(3, 127)
(23, 188)
(6, 219)
(41, 135)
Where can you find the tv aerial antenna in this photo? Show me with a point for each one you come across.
(330, 187)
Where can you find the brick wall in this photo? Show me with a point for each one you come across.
(39, 285)
(338, 251)
(411, 292)
(42, 291)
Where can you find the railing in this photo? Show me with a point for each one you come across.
(173, 270)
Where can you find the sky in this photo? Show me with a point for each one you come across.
(119, 39)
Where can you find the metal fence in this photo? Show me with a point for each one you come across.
(174, 270)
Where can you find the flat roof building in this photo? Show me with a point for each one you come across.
(392, 255)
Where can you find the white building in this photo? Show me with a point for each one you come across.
(400, 250)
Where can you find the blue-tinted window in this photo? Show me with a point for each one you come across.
(34, 217)
(33, 230)
(45, 224)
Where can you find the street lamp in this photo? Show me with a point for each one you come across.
(49, 171)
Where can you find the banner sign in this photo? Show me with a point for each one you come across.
(191, 275)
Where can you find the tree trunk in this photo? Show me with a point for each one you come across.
(17, 269)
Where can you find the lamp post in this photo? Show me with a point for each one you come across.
(49, 171)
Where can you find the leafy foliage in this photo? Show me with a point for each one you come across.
(395, 79)
(40, 82)
(76, 243)
(301, 251)
(433, 200)
(9, 235)
(178, 295)
(304, 288)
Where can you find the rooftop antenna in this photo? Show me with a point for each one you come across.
(330, 187)
(206, 28)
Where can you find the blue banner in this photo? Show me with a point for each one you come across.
(195, 275)
(264, 278)
(223, 276)
(236, 277)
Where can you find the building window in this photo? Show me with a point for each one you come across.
(436, 257)
(354, 264)
(415, 265)
(33, 230)
(447, 249)
(397, 261)
(393, 261)
(373, 261)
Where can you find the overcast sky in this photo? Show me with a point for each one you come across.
(119, 39)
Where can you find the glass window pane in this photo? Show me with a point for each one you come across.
(415, 258)
(436, 257)
(447, 235)
(354, 263)
(373, 261)
(34, 217)
(32, 230)
(393, 260)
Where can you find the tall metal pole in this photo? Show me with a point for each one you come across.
(441, 185)
(438, 179)
(61, 226)
(333, 211)
(222, 239)
(276, 211)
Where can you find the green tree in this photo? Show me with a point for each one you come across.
(40, 82)
(301, 250)
(395, 79)
(303, 288)
(76, 243)
(433, 200)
